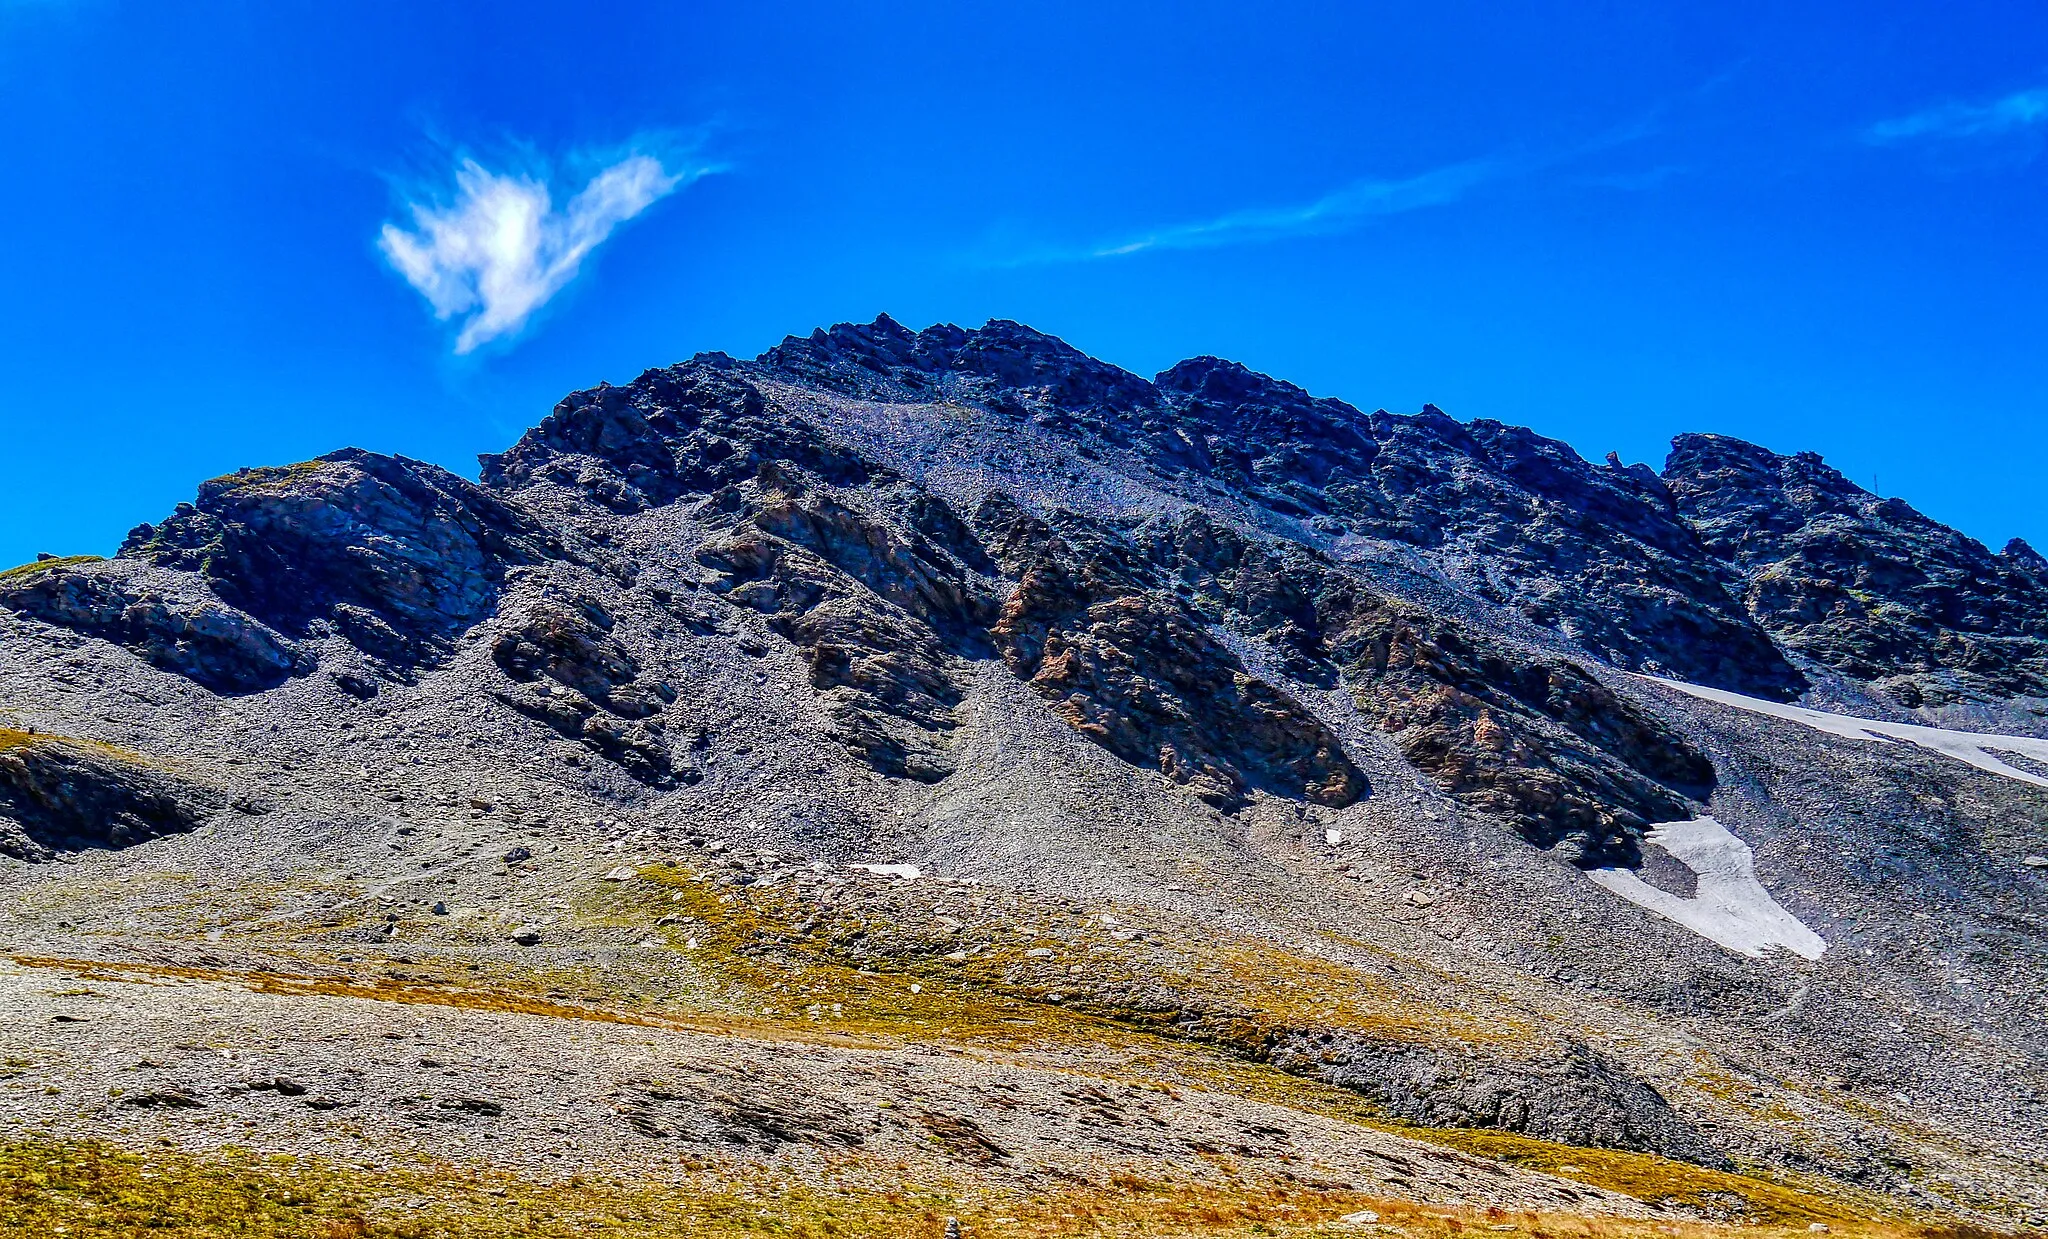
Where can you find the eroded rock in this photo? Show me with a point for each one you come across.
(59, 795)
(396, 555)
(211, 644)
(1862, 584)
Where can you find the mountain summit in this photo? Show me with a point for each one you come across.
(942, 759)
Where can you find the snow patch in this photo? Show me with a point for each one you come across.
(912, 872)
(1974, 747)
(1730, 907)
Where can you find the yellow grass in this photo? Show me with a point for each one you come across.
(85, 1190)
(22, 572)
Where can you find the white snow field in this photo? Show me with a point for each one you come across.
(1730, 906)
(1975, 747)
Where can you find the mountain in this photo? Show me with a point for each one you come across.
(926, 773)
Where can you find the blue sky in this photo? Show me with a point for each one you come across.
(250, 233)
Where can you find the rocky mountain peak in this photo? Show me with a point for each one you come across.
(1863, 585)
(1001, 360)
(2023, 554)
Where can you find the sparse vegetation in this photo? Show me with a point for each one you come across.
(21, 572)
(86, 1190)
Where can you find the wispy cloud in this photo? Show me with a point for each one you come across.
(1334, 212)
(495, 249)
(1339, 211)
(2021, 112)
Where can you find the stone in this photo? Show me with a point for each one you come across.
(1862, 584)
(1598, 551)
(397, 555)
(59, 795)
(214, 645)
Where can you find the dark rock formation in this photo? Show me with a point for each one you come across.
(1527, 736)
(396, 555)
(213, 645)
(880, 613)
(886, 594)
(688, 429)
(1004, 365)
(569, 641)
(1578, 1096)
(1136, 671)
(1535, 740)
(1865, 585)
(1596, 552)
(59, 795)
(596, 696)
(884, 591)
(1128, 629)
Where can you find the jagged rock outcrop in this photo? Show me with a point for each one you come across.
(1135, 670)
(1575, 1096)
(1527, 736)
(597, 695)
(59, 795)
(884, 590)
(889, 595)
(687, 429)
(396, 555)
(1004, 365)
(1596, 552)
(885, 677)
(1862, 584)
(1534, 740)
(214, 645)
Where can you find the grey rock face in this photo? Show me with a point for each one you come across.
(1579, 1097)
(395, 555)
(1596, 552)
(63, 796)
(595, 695)
(214, 645)
(1865, 585)
(1537, 741)
(1132, 667)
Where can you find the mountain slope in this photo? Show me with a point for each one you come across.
(1207, 736)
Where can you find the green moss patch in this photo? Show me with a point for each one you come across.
(22, 572)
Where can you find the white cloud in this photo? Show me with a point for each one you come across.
(2015, 113)
(1338, 211)
(1334, 212)
(496, 251)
